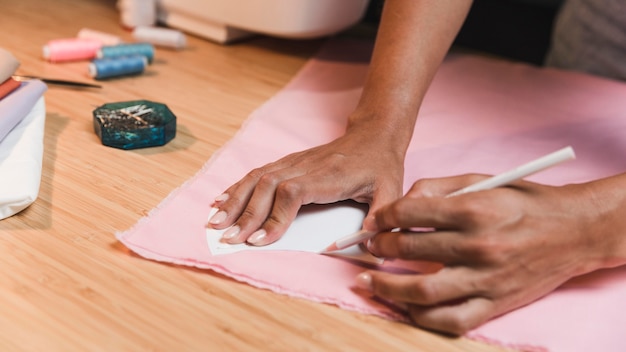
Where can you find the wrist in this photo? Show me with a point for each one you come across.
(389, 132)
(606, 201)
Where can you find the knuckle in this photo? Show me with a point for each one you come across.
(468, 211)
(274, 225)
(423, 292)
(247, 216)
(256, 173)
(268, 180)
(288, 189)
(381, 288)
(400, 211)
(421, 187)
(407, 247)
(473, 178)
(486, 249)
(234, 202)
(473, 211)
(458, 324)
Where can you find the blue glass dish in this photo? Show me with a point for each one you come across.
(134, 124)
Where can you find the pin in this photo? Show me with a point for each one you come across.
(121, 118)
(136, 112)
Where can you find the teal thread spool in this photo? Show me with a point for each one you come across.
(118, 66)
(134, 124)
(131, 49)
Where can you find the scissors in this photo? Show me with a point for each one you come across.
(58, 82)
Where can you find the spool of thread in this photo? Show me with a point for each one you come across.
(166, 37)
(117, 67)
(71, 49)
(137, 12)
(145, 49)
(8, 65)
(104, 38)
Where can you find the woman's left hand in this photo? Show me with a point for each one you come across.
(500, 249)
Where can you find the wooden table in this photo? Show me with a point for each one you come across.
(67, 284)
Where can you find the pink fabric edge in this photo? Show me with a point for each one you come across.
(146, 253)
(498, 343)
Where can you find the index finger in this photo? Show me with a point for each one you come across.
(439, 213)
(287, 201)
(290, 195)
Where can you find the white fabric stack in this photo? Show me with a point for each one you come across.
(22, 121)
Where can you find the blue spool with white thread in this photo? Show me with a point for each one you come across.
(118, 66)
(129, 49)
(160, 36)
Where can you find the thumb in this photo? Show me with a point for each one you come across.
(381, 197)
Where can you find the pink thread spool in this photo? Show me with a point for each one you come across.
(72, 49)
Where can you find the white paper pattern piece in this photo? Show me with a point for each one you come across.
(315, 228)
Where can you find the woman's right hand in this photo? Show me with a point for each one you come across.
(359, 165)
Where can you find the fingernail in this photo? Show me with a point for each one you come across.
(364, 281)
(231, 233)
(370, 245)
(218, 218)
(257, 237)
(222, 197)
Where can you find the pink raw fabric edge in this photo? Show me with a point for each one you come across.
(480, 115)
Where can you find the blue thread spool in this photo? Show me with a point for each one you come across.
(115, 67)
(145, 49)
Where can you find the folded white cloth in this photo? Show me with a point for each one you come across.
(21, 151)
(15, 106)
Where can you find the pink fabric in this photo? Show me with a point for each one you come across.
(480, 115)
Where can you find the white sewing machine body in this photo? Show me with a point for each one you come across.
(226, 20)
